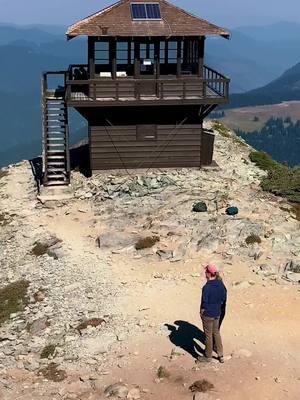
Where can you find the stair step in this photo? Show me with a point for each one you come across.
(56, 132)
(56, 115)
(62, 170)
(56, 139)
(56, 176)
(56, 158)
(57, 183)
(55, 163)
(53, 98)
(54, 120)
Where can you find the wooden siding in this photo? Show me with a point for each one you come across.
(116, 21)
(118, 147)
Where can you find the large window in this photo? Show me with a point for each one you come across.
(122, 53)
(101, 53)
(172, 52)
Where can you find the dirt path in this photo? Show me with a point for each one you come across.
(260, 333)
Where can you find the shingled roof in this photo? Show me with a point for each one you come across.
(116, 20)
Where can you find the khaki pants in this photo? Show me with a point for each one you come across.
(212, 336)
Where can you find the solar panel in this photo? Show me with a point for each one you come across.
(145, 11)
(153, 11)
(138, 11)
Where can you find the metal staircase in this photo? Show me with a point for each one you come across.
(56, 155)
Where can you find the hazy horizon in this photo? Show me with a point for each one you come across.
(234, 14)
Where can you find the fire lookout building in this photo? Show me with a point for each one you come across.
(144, 91)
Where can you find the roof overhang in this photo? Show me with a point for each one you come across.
(116, 21)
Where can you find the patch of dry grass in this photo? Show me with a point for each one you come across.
(39, 249)
(93, 322)
(13, 298)
(48, 351)
(5, 219)
(52, 373)
(252, 239)
(146, 243)
(163, 373)
(296, 211)
(202, 386)
(3, 173)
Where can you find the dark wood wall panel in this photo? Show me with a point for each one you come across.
(116, 147)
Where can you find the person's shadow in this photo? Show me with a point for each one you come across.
(184, 335)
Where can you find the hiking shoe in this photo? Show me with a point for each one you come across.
(221, 360)
(203, 360)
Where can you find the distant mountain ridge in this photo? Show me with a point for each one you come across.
(284, 88)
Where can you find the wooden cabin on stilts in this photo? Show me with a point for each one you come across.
(144, 91)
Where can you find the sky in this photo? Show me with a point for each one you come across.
(228, 13)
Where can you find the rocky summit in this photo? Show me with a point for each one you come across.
(100, 292)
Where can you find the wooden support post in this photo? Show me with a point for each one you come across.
(137, 61)
(157, 58)
(179, 43)
(166, 52)
(113, 57)
(91, 57)
(201, 43)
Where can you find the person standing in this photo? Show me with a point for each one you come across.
(213, 303)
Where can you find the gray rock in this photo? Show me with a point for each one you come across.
(134, 394)
(38, 325)
(31, 364)
(267, 270)
(56, 252)
(117, 389)
(202, 396)
(293, 277)
(165, 254)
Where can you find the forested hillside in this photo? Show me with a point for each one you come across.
(279, 137)
(285, 88)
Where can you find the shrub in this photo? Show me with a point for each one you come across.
(253, 239)
(162, 373)
(48, 351)
(146, 243)
(281, 180)
(263, 160)
(13, 298)
(221, 129)
(3, 173)
(296, 269)
(5, 219)
(202, 386)
(52, 373)
(39, 249)
(94, 322)
(296, 211)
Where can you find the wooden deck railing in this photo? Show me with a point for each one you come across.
(212, 85)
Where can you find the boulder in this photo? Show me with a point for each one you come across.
(134, 394)
(38, 325)
(118, 390)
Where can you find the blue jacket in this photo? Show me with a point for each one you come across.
(214, 296)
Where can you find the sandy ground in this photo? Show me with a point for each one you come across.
(263, 319)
